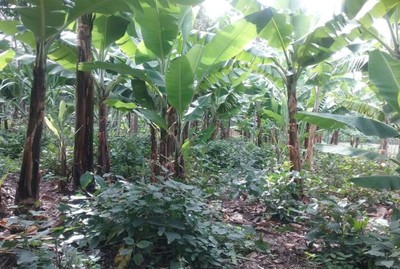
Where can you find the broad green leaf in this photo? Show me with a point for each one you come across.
(332, 121)
(118, 104)
(127, 45)
(194, 56)
(52, 126)
(302, 25)
(138, 259)
(361, 107)
(246, 7)
(349, 151)
(98, 6)
(153, 117)
(85, 180)
(144, 244)
(9, 27)
(141, 94)
(61, 110)
(143, 54)
(273, 115)
(171, 236)
(27, 37)
(25, 257)
(179, 82)
(125, 69)
(230, 41)
(322, 43)
(352, 7)
(373, 10)
(196, 111)
(278, 32)
(6, 57)
(378, 182)
(65, 54)
(384, 72)
(159, 27)
(187, 2)
(386, 263)
(107, 30)
(44, 18)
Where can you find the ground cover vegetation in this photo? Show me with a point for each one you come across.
(142, 134)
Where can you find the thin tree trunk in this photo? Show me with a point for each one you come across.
(155, 167)
(384, 147)
(134, 122)
(28, 186)
(307, 131)
(63, 160)
(103, 161)
(310, 147)
(83, 145)
(335, 138)
(356, 141)
(259, 130)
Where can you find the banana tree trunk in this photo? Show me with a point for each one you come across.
(384, 147)
(294, 143)
(133, 122)
(103, 161)
(170, 145)
(310, 147)
(335, 137)
(83, 145)
(27, 192)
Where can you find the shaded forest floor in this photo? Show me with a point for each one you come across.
(286, 242)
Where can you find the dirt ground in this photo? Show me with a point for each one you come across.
(286, 242)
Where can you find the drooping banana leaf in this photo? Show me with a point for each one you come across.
(349, 151)
(378, 182)
(333, 121)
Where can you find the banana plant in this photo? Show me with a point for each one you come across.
(383, 72)
(295, 44)
(44, 21)
(173, 68)
(60, 127)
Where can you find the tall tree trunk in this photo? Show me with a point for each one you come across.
(83, 145)
(103, 161)
(28, 186)
(294, 143)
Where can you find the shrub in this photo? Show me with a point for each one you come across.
(347, 238)
(156, 225)
(129, 156)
